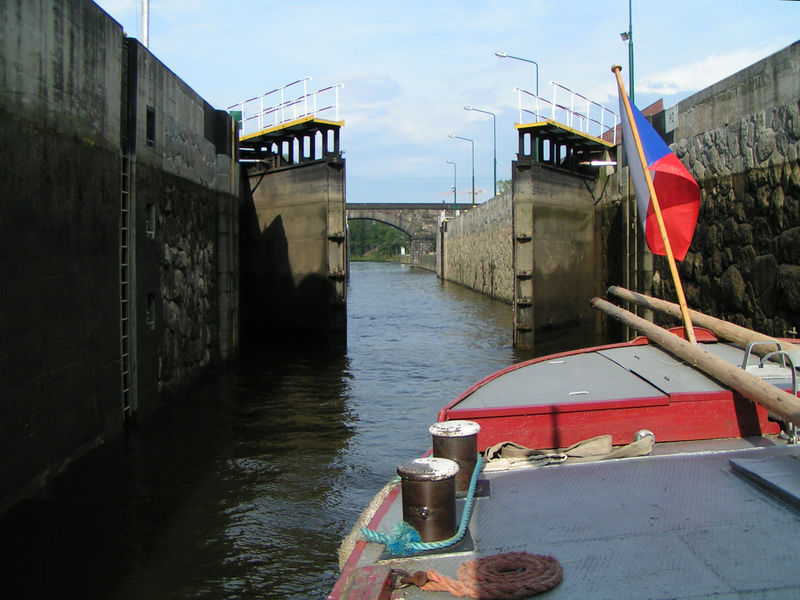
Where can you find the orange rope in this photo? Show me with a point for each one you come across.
(512, 575)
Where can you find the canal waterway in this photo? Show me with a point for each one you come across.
(245, 487)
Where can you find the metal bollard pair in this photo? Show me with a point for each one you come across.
(430, 485)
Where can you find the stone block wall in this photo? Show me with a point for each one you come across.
(744, 262)
(478, 249)
(186, 272)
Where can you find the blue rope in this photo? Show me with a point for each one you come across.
(405, 540)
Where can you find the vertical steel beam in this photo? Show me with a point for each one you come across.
(522, 228)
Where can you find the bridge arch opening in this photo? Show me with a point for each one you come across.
(372, 239)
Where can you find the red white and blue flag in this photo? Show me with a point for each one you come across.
(677, 192)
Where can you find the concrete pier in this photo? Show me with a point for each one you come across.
(295, 244)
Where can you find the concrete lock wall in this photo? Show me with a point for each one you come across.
(478, 249)
(295, 253)
(64, 113)
(536, 248)
(556, 258)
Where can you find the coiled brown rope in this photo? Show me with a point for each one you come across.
(512, 575)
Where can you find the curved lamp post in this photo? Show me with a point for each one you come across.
(458, 137)
(500, 54)
(450, 162)
(494, 139)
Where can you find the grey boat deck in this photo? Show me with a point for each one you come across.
(677, 524)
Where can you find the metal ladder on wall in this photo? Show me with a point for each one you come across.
(124, 304)
(124, 253)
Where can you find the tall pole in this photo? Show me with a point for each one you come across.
(458, 137)
(627, 36)
(500, 54)
(472, 143)
(455, 206)
(494, 139)
(630, 49)
(687, 320)
(146, 23)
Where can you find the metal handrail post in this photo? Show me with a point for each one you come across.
(305, 97)
(571, 108)
(588, 110)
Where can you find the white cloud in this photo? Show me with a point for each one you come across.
(701, 74)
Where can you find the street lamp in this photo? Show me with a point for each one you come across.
(450, 162)
(627, 36)
(494, 139)
(500, 54)
(458, 137)
(146, 23)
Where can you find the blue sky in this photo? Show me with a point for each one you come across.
(409, 68)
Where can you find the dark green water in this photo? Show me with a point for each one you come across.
(245, 488)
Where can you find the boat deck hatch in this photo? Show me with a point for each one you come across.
(779, 476)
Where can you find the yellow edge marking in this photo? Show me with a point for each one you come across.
(289, 124)
(565, 128)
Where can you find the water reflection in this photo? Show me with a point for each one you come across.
(245, 487)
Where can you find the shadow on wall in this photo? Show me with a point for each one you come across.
(275, 311)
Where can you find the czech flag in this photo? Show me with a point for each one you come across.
(677, 192)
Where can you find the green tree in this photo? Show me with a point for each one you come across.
(372, 240)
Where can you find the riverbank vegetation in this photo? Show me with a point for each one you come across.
(375, 241)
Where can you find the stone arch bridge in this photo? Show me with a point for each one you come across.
(420, 221)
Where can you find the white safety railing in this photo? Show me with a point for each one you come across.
(571, 109)
(285, 104)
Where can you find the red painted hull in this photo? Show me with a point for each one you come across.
(679, 417)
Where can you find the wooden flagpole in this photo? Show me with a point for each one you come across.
(687, 320)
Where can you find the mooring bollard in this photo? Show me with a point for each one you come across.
(428, 488)
(458, 441)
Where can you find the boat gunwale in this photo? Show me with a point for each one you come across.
(352, 561)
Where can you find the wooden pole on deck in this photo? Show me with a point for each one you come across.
(722, 329)
(687, 320)
(784, 404)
